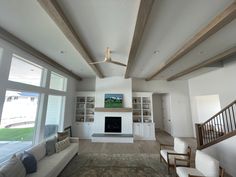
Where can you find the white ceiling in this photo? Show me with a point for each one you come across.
(170, 26)
(111, 23)
(28, 21)
(104, 23)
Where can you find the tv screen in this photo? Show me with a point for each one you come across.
(113, 100)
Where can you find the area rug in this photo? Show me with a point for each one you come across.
(115, 165)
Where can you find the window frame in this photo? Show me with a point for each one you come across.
(43, 90)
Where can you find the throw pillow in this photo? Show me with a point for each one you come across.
(62, 135)
(50, 146)
(13, 168)
(61, 145)
(38, 151)
(29, 162)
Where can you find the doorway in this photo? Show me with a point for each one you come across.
(166, 107)
(161, 112)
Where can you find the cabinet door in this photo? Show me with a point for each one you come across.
(149, 131)
(82, 130)
(137, 130)
(89, 130)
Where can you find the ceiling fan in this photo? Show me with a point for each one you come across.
(108, 59)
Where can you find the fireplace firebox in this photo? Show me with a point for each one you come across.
(112, 124)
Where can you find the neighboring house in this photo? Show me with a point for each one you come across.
(184, 52)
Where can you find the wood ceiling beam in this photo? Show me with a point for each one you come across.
(55, 12)
(5, 35)
(220, 57)
(215, 25)
(145, 8)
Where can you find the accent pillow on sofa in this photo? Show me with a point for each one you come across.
(13, 168)
(62, 135)
(38, 151)
(61, 145)
(29, 162)
(50, 146)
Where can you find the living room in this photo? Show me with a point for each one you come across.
(166, 61)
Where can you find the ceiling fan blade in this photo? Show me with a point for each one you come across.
(108, 53)
(97, 62)
(117, 63)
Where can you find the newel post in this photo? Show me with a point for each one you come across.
(199, 135)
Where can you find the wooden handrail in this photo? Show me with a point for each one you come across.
(218, 128)
(221, 111)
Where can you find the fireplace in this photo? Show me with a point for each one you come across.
(112, 124)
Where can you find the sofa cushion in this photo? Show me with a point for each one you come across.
(51, 166)
(50, 146)
(184, 172)
(29, 162)
(13, 168)
(38, 151)
(62, 135)
(206, 164)
(61, 145)
(180, 146)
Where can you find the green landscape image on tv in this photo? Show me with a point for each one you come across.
(113, 100)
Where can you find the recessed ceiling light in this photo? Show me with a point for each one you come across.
(156, 51)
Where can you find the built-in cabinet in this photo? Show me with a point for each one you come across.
(83, 130)
(143, 125)
(84, 115)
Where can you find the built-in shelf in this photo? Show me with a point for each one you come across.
(113, 110)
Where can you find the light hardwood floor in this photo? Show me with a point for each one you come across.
(152, 147)
(86, 146)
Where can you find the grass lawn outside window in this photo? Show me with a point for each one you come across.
(16, 134)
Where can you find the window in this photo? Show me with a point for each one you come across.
(22, 111)
(57, 82)
(25, 72)
(55, 110)
(17, 122)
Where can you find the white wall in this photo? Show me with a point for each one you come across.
(220, 82)
(207, 106)
(113, 85)
(180, 107)
(87, 84)
(70, 102)
(117, 85)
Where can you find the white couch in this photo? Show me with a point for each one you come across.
(51, 166)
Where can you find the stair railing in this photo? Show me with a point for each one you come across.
(218, 128)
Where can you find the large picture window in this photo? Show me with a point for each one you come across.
(25, 118)
(17, 121)
(58, 82)
(25, 72)
(55, 111)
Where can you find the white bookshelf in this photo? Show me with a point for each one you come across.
(84, 107)
(84, 115)
(143, 125)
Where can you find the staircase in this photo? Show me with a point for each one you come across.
(218, 128)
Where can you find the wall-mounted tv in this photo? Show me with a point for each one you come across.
(113, 100)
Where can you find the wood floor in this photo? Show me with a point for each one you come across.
(152, 147)
(86, 146)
